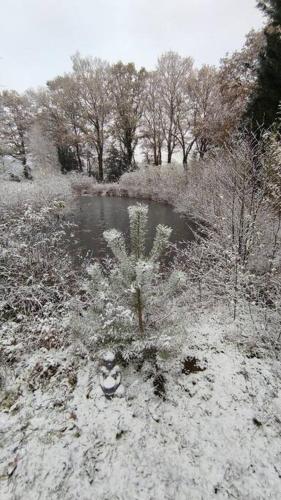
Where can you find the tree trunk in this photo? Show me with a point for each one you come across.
(202, 148)
(100, 165)
(140, 310)
(170, 154)
(185, 152)
(155, 156)
(26, 169)
(80, 164)
(184, 160)
(159, 155)
(89, 167)
(129, 153)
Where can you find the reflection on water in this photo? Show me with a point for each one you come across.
(93, 215)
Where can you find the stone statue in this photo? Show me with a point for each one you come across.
(110, 376)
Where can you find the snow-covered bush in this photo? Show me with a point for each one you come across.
(234, 194)
(36, 276)
(164, 183)
(82, 184)
(43, 154)
(126, 298)
(238, 259)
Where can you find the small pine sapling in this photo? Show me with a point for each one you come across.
(136, 271)
(130, 291)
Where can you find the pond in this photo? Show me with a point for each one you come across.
(92, 215)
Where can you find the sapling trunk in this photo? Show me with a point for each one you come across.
(140, 310)
(137, 269)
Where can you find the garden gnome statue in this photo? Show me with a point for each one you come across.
(110, 376)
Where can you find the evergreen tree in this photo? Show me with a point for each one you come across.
(263, 107)
(115, 164)
(67, 159)
(135, 272)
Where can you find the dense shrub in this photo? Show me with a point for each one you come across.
(36, 276)
(236, 197)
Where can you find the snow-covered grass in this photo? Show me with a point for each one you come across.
(39, 192)
(216, 433)
(211, 431)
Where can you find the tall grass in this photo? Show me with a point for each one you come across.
(40, 191)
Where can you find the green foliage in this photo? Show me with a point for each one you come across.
(115, 164)
(138, 223)
(67, 159)
(271, 8)
(263, 107)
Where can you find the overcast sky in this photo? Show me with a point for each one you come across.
(37, 37)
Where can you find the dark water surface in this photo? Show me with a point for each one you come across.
(92, 215)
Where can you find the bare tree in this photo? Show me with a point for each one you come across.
(152, 131)
(92, 77)
(172, 70)
(63, 108)
(185, 118)
(127, 89)
(15, 122)
(238, 77)
(208, 114)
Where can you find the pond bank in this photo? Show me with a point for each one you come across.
(117, 190)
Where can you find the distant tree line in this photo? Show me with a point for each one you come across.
(98, 114)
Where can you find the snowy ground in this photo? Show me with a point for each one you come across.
(217, 433)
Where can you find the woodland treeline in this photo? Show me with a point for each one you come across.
(98, 115)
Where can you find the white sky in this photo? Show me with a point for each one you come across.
(37, 37)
